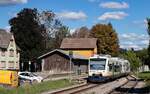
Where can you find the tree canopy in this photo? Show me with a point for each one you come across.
(55, 30)
(135, 62)
(82, 32)
(28, 33)
(37, 32)
(143, 56)
(148, 30)
(107, 39)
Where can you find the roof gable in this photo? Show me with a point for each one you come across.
(79, 43)
(4, 38)
(75, 56)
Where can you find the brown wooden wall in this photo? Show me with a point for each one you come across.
(59, 62)
(56, 62)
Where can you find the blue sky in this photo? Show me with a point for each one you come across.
(127, 16)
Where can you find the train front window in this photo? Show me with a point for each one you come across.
(97, 64)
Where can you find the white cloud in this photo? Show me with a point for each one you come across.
(70, 15)
(141, 23)
(133, 40)
(134, 46)
(146, 42)
(113, 15)
(72, 30)
(7, 28)
(133, 36)
(12, 2)
(114, 5)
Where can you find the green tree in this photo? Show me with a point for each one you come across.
(107, 39)
(135, 62)
(82, 32)
(148, 30)
(28, 33)
(143, 56)
(62, 32)
(55, 30)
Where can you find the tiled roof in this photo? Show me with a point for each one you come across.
(78, 43)
(4, 38)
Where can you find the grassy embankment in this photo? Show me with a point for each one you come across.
(36, 88)
(146, 77)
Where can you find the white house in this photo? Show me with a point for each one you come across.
(9, 52)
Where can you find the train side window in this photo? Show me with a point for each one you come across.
(110, 66)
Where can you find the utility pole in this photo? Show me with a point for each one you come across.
(70, 56)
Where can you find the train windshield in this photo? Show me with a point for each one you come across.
(97, 64)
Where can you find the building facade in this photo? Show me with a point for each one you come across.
(9, 52)
(58, 61)
(86, 47)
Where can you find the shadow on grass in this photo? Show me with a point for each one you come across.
(145, 90)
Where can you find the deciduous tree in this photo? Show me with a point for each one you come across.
(107, 39)
(55, 30)
(28, 33)
(135, 62)
(82, 32)
(148, 30)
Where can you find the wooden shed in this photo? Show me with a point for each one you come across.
(58, 61)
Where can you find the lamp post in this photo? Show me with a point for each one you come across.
(29, 65)
(22, 66)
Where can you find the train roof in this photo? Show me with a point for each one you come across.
(100, 56)
(109, 57)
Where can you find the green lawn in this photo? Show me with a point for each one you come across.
(144, 75)
(36, 88)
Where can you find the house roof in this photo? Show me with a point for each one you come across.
(75, 56)
(78, 43)
(4, 38)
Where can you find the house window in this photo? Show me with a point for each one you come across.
(17, 64)
(11, 42)
(11, 52)
(2, 53)
(11, 64)
(17, 53)
(3, 64)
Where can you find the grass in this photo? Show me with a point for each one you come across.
(144, 75)
(36, 88)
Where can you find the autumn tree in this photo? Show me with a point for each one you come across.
(82, 32)
(107, 39)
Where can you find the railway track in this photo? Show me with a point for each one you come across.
(123, 85)
(126, 88)
(77, 89)
(87, 87)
